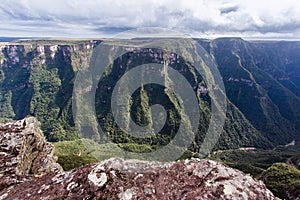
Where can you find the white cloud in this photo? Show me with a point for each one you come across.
(96, 18)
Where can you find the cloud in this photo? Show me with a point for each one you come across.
(98, 18)
(228, 9)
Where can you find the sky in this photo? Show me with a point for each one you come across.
(105, 18)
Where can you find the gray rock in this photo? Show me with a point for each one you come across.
(24, 152)
(29, 171)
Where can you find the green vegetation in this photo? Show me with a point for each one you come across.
(283, 180)
(72, 154)
(269, 166)
(252, 85)
(256, 160)
(45, 85)
(6, 109)
(263, 90)
(263, 111)
(40, 83)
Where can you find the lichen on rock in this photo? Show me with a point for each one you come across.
(29, 171)
(24, 152)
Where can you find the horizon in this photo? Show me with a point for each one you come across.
(4, 39)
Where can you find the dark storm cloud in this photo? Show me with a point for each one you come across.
(230, 9)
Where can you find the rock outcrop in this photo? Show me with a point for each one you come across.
(24, 153)
(29, 171)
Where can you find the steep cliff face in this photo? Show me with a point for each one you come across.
(237, 131)
(24, 153)
(258, 80)
(29, 171)
(37, 80)
(285, 56)
(263, 93)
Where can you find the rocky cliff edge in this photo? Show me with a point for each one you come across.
(28, 170)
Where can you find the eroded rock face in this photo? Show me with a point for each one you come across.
(24, 152)
(29, 171)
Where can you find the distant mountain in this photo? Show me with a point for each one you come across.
(19, 39)
(8, 39)
(285, 57)
(262, 87)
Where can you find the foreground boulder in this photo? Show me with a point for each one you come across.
(24, 152)
(28, 171)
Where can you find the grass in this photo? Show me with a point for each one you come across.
(72, 154)
(257, 158)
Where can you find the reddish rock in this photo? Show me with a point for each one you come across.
(114, 178)
(24, 152)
